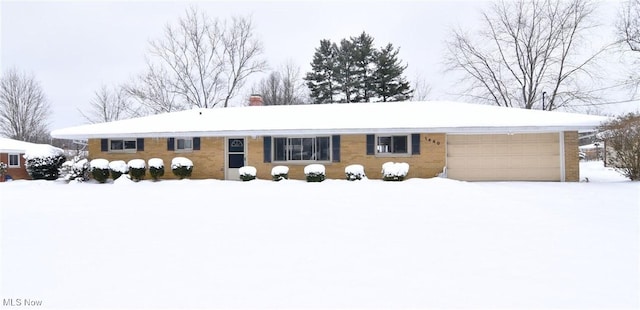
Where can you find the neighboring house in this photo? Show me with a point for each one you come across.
(11, 153)
(593, 151)
(474, 142)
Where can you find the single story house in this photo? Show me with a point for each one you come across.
(11, 153)
(469, 141)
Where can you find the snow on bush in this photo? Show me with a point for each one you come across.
(279, 173)
(76, 169)
(354, 172)
(156, 168)
(118, 168)
(394, 171)
(137, 169)
(314, 172)
(248, 173)
(100, 169)
(182, 167)
(3, 170)
(44, 161)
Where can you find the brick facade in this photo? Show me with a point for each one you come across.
(209, 161)
(571, 158)
(427, 164)
(19, 173)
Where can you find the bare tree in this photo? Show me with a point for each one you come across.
(108, 105)
(629, 25)
(527, 54)
(622, 138)
(421, 89)
(23, 108)
(283, 86)
(242, 51)
(153, 92)
(200, 62)
(628, 28)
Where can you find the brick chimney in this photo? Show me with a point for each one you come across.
(255, 100)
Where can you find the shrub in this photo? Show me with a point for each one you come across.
(314, 173)
(354, 172)
(279, 173)
(394, 171)
(118, 168)
(156, 168)
(182, 167)
(137, 169)
(248, 173)
(44, 161)
(622, 138)
(100, 169)
(77, 169)
(3, 170)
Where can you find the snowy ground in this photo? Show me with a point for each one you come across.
(421, 243)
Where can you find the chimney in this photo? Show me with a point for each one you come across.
(255, 100)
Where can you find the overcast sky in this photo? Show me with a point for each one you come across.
(74, 47)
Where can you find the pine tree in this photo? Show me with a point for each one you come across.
(390, 85)
(322, 79)
(364, 56)
(346, 72)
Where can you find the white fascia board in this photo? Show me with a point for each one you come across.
(307, 131)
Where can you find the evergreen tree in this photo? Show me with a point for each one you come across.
(390, 85)
(322, 80)
(364, 57)
(346, 71)
(355, 71)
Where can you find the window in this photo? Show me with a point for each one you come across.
(123, 145)
(185, 144)
(392, 144)
(302, 149)
(14, 160)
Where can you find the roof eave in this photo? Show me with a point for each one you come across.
(306, 131)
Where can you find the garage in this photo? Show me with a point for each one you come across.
(502, 157)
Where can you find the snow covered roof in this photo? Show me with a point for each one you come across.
(14, 146)
(354, 118)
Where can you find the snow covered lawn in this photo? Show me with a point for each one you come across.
(420, 243)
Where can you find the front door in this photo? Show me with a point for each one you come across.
(235, 157)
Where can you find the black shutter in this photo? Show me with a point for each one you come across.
(415, 143)
(371, 144)
(267, 149)
(335, 141)
(170, 144)
(196, 143)
(140, 144)
(104, 145)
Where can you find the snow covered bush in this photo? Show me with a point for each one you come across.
(137, 169)
(279, 173)
(156, 168)
(394, 171)
(76, 169)
(354, 172)
(99, 169)
(44, 161)
(3, 170)
(118, 168)
(314, 172)
(622, 138)
(248, 173)
(181, 167)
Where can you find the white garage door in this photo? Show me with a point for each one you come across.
(520, 157)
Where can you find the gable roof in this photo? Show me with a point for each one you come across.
(14, 146)
(354, 118)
